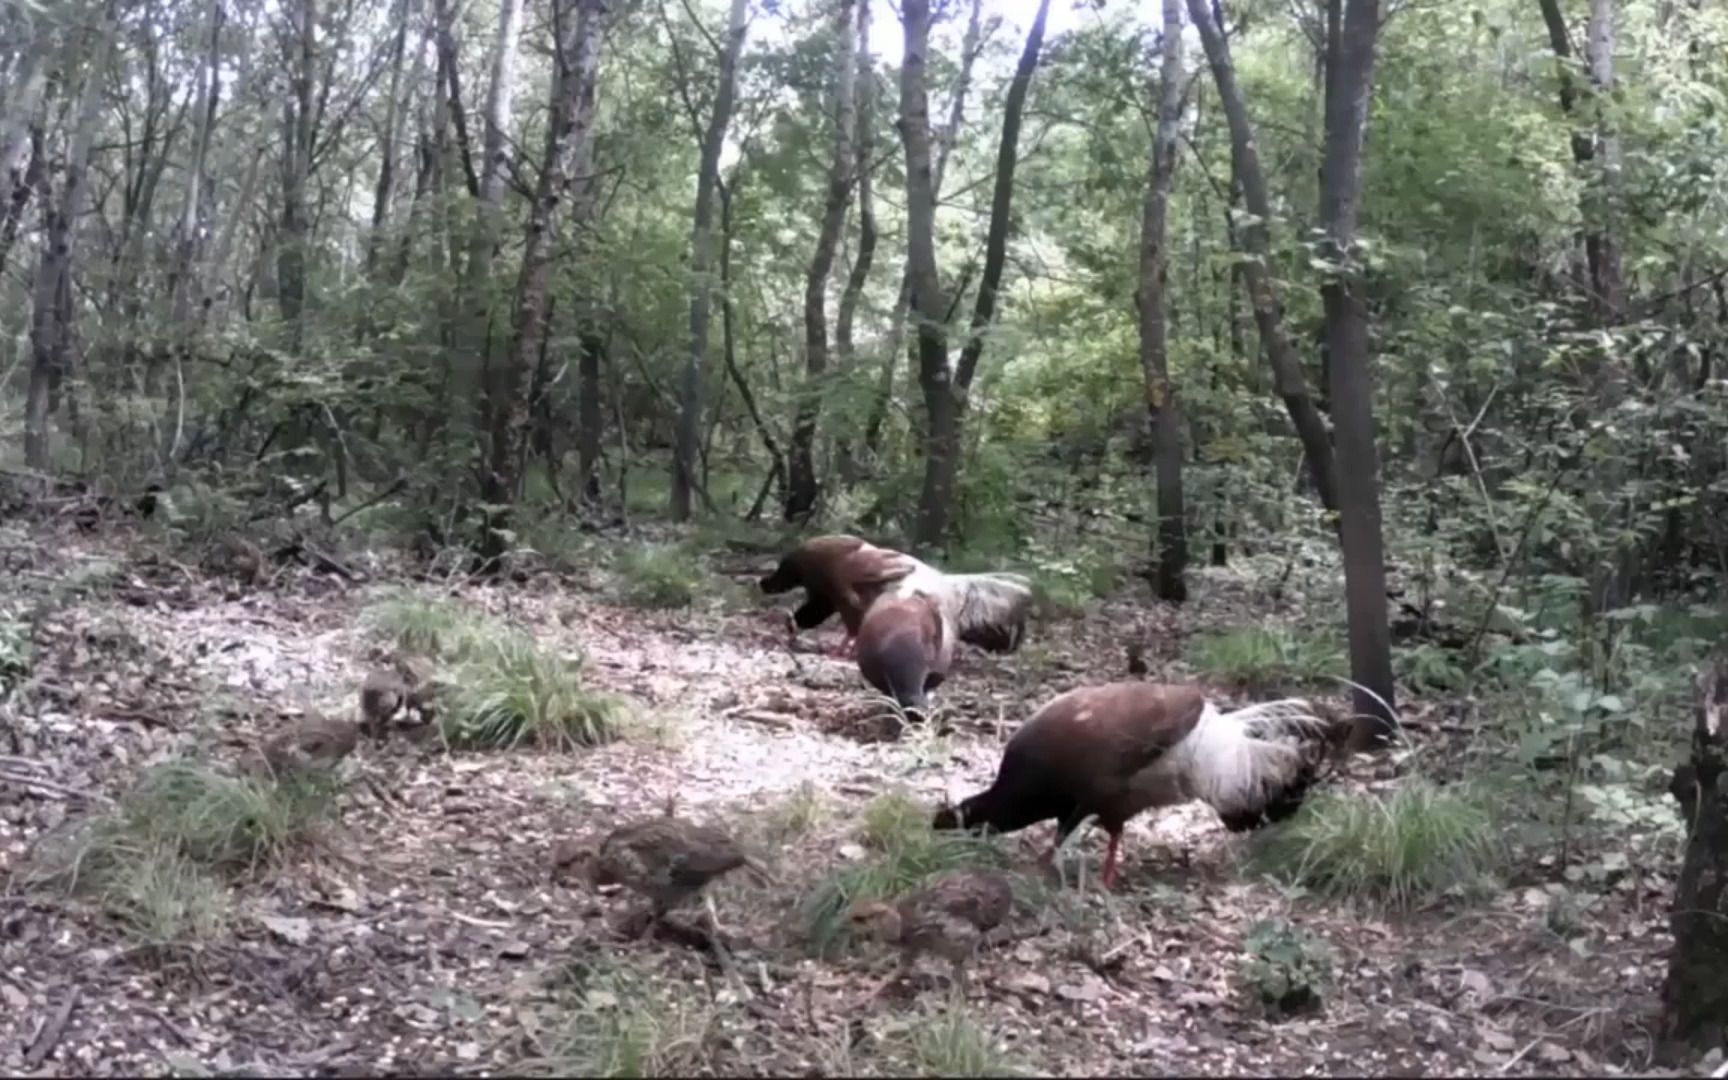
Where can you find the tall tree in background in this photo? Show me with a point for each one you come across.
(970, 46)
(701, 259)
(945, 384)
(1287, 377)
(801, 487)
(299, 129)
(1352, 28)
(863, 147)
(1163, 410)
(52, 309)
(566, 164)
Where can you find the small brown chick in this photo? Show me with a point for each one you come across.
(382, 695)
(406, 684)
(314, 742)
(666, 859)
(948, 917)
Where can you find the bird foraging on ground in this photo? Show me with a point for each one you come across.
(313, 742)
(406, 685)
(1117, 749)
(840, 575)
(904, 649)
(665, 859)
(987, 610)
(948, 917)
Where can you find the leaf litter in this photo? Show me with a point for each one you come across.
(422, 933)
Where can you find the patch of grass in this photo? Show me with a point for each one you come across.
(155, 860)
(1402, 849)
(221, 821)
(621, 1022)
(796, 815)
(1263, 658)
(950, 1042)
(162, 899)
(901, 851)
(429, 626)
(514, 690)
(661, 576)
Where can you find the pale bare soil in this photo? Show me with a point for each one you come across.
(422, 935)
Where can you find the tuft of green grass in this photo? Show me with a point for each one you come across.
(620, 1022)
(513, 690)
(429, 626)
(156, 859)
(1262, 658)
(901, 852)
(659, 576)
(1403, 849)
(162, 899)
(950, 1042)
(796, 815)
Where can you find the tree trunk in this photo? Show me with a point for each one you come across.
(181, 286)
(1162, 407)
(776, 459)
(862, 262)
(1281, 356)
(969, 48)
(297, 120)
(945, 387)
(801, 487)
(51, 314)
(19, 131)
(566, 163)
(474, 340)
(1349, 82)
(701, 258)
(1695, 996)
(385, 190)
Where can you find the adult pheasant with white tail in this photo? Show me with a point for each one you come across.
(1121, 748)
(905, 642)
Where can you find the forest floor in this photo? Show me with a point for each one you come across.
(422, 934)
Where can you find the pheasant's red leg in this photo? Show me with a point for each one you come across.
(1109, 876)
(845, 649)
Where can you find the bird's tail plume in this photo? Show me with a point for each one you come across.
(988, 610)
(1253, 763)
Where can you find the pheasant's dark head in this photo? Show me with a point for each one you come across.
(788, 575)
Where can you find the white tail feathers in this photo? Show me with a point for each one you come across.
(1239, 761)
(988, 610)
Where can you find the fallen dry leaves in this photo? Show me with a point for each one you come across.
(422, 933)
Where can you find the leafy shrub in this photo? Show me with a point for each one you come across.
(1286, 971)
(1403, 849)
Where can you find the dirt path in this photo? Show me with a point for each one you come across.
(423, 935)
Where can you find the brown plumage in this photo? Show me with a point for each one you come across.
(840, 575)
(407, 684)
(313, 742)
(1137, 658)
(1120, 748)
(665, 859)
(905, 648)
(948, 917)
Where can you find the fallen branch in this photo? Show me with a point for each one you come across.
(51, 788)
